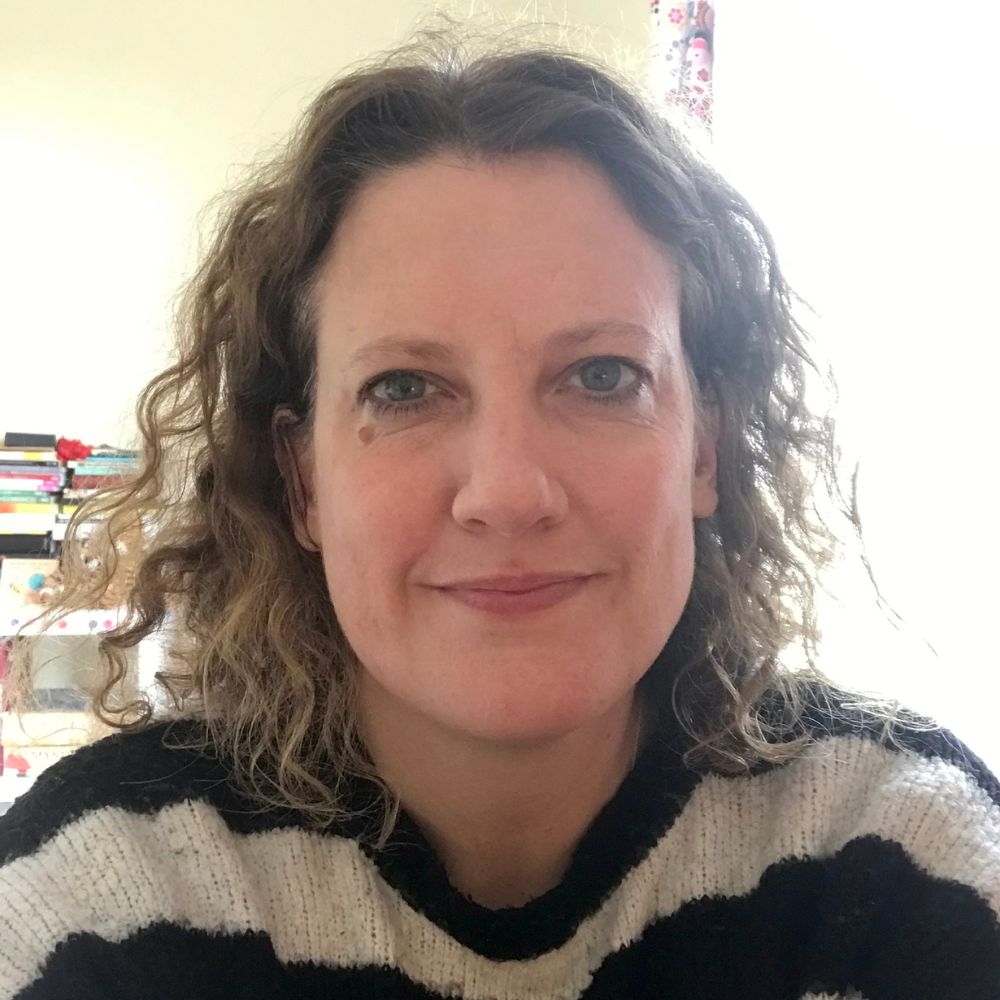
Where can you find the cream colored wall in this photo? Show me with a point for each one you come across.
(118, 122)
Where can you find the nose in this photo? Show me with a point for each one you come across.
(510, 481)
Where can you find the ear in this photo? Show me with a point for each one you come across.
(704, 492)
(294, 458)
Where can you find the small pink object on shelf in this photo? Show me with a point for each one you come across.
(19, 763)
(69, 449)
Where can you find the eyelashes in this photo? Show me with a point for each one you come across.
(395, 408)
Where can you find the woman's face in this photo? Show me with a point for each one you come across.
(545, 426)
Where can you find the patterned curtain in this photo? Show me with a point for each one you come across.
(683, 48)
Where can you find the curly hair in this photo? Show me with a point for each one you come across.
(256, 652)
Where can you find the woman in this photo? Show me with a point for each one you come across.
(491, 403)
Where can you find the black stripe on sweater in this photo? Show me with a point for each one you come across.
(867, 919)
(136, 772)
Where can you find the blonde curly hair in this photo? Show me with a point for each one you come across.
(255, 648)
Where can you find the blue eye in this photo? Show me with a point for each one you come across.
(406, 385)
(608, 370)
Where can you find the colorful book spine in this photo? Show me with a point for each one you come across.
(34, 484)
(121, 469)
(6, 507)
(25, 496)
(32, 468)
(21, 439)
(9, 519)
(97, 482)
(26, 524)
(18, 455)
(37, 544)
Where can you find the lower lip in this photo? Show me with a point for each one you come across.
(509, 603)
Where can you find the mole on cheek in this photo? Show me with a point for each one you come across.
(366, 434)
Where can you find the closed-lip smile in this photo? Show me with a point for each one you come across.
(511, 597)
(512, 583)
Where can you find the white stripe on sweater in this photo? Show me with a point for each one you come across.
(832, 996)
(320, 899)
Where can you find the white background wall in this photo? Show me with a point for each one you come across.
(865, 136)
(119, 121)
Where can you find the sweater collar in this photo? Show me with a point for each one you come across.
(619, 837)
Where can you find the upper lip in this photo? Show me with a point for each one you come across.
(525, 581)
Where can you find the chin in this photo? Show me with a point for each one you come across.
(526, 726)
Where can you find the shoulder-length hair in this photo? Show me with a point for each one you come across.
(255, 648)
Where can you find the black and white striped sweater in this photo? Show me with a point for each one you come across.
(858, 870)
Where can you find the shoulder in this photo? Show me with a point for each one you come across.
(892, 748)
(868, 858)
(139, 771)
(857, 755)
(828, 714)
(888, 794)
(96, 849)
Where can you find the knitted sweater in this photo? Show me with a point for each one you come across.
(859, 869)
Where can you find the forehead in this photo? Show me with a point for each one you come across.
(449, 245)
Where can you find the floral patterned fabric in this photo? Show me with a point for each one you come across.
(683, 48)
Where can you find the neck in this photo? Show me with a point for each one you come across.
(503, 819)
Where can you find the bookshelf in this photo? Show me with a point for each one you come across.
(59, 723)
(23, 619)
(43, 479)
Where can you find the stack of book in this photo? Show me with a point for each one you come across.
(31, 481)
(105, 467)
(38, 496)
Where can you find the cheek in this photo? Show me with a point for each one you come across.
(648, 495)
(648, 519)
(374, 523)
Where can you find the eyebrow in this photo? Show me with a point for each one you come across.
(433, 350)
